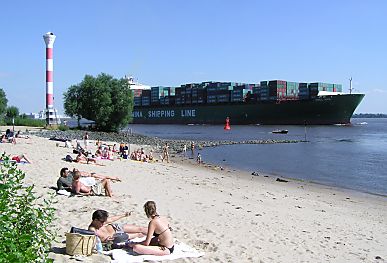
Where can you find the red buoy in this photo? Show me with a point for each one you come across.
(227, 125)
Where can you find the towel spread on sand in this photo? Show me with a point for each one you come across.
(88, 181)
(181, 251)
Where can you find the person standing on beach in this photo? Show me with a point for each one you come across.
(199, 158)
(165, 153)
(184, 149)
(85, 139)
(192, 148)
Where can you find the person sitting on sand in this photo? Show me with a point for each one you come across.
(150, 155)
(3, 138)
(65, 180)
(8, 137)
(97, 187)
(98, 152)
(18, 135)
(114, 150)
(159, 239)
(68, 144)
(102, 225)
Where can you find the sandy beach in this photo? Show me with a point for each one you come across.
(230, 215)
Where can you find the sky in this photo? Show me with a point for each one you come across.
(176, 42)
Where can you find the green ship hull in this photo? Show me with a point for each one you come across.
(323, 110)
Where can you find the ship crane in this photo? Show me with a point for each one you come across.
(350, 85)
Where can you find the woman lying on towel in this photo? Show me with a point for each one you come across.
(159, 240)
(21, 158)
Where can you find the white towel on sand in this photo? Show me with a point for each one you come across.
(88, 181)
(181, 251)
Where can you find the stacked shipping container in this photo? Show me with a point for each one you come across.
(224, 92)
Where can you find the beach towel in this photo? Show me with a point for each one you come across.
(63, 192)
(182, 250)
(88, 181)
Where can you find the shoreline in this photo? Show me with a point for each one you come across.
(192, 163)
(231, 216)
(175, 146)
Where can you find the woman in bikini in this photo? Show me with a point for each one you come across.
(159, 239)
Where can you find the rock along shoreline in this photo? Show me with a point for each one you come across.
(175, 146)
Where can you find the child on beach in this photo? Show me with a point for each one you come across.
(199, 158)
(159, 239)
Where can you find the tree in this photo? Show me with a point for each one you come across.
(12, 112)
(3, 101)
(72, 103)
(104, 99)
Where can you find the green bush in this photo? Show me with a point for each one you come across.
(62, 127)
(26, 230)
(26, 122)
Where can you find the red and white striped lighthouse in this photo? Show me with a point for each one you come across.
(51, 117)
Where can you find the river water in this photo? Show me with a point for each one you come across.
(352, 157)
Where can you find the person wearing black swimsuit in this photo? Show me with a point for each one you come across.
(159, 239)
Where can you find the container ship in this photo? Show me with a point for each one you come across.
(268, 102)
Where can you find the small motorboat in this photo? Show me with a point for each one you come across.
(280, 131)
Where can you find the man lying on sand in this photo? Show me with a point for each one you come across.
(103, 226)
(65, 180)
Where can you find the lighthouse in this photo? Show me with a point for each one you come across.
(51, 113)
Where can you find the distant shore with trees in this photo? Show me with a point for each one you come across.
(369, 115)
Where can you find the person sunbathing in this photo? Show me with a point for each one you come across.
(20, 158)
(82, 158)
(91, 187)
(65, 180)
(5, 139)
(102, 224)
(19, 135)
(159, 239)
